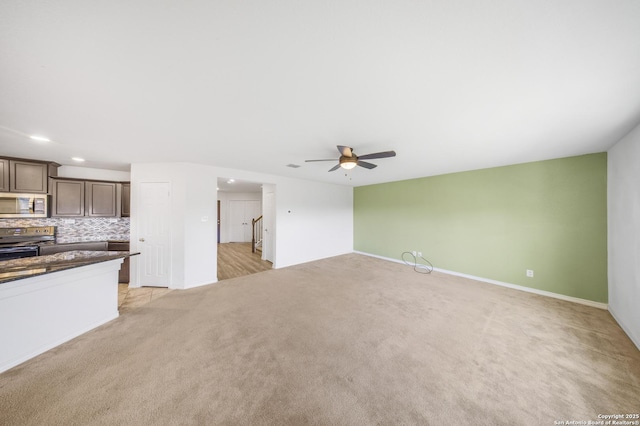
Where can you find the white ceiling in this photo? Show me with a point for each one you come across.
(257, 85)
(237, 185)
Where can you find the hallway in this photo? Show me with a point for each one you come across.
(236, 260)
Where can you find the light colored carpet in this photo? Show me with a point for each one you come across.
(349, 340)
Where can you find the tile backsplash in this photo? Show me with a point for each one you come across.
(79, 229)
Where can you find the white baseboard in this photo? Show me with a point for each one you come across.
(598, 305)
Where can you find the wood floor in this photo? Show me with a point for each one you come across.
(236, 260)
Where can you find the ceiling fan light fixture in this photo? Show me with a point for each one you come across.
(348, 163)
(348, 166)
(349, 160)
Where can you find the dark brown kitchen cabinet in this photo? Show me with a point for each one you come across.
(27, 176)
(123, 275)
(85, 198)
(101, 199)
(126, 200)
(68, 198)
(4, 175)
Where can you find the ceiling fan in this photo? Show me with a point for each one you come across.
(348, 159)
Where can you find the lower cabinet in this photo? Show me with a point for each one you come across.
(84, 245)
(123, 275)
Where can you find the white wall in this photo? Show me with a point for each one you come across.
(200, 222)
(225, 197)
(313, 220)
(269, 222)
(193, 241)
(623, 183)
(91, 173)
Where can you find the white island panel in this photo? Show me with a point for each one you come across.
(41, 312)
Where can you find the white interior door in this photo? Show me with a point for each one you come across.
(241, 212)
(154, 239)
(236, 221)
(268, 213)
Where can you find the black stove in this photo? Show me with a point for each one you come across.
(24, 242)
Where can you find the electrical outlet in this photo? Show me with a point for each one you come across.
(530, 273)
(419, 254)
(414, 253)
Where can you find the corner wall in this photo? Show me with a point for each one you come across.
(191, 218)
(313, 220)
(624, 233)
(547, 216)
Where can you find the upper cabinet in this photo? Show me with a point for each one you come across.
(101, 199)
(4, 175)
(86, 198)
(68, 198)
(126, 200)
(17, 175)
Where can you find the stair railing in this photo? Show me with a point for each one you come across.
(256, 237)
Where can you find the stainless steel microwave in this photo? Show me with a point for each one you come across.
(23, 205)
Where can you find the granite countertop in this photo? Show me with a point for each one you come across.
(26, 267)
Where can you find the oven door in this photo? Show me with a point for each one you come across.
(7, 253)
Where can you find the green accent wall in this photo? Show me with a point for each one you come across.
(548, 216)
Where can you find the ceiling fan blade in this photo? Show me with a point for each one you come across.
(311, 161)
(334, 168)
(366, 165)
(345, 150)
(384, 154)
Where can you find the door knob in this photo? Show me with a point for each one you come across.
(141, 240)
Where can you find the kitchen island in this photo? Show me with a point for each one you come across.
(48, 300)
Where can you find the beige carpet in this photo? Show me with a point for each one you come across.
(349, 340)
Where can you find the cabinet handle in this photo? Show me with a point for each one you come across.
(141, 240)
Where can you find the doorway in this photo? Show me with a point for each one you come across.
(240, 203)
(237, 260)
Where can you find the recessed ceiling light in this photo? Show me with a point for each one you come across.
(40, 138)
(78, 159)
